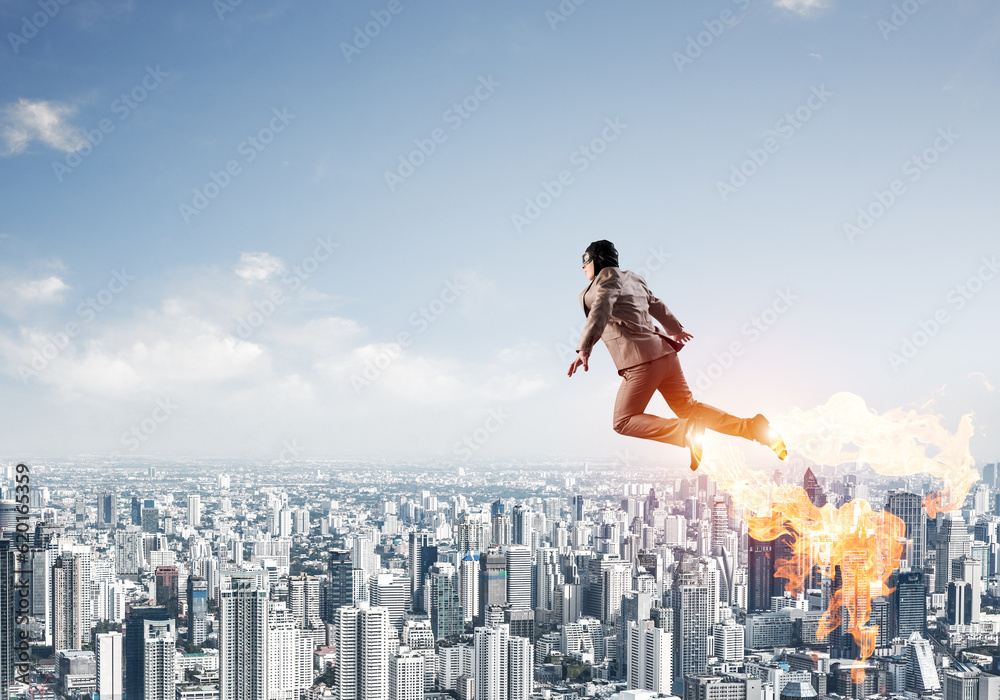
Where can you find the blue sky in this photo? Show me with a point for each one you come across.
(273, 201)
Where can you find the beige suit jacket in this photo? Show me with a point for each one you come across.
(620, 311)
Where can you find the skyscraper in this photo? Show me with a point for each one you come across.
(813, 489)
(340, 585)
(468, 588)
(393, 594)
(167, 581)
(303, 600)
(159, 665)
(135, 649)
(650, 657)
(444, 607)
(67, 603)
(422, 554)
(520, 668)
(197, 608)
(492, 582)
(110, 659)
(909, 508)
(691, 625)
(910, 597)
(243, 636)
(953, 542)
(760, 573)
(107, 510)
(518, 576)
(490, 665)
(362, 653)
(289, 650)
(194, 510)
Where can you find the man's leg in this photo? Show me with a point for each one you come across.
(638, 385)
(675, 390)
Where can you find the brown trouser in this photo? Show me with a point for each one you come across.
(665, 375)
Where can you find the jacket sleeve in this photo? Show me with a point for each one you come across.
(659, 311)
(609, 286)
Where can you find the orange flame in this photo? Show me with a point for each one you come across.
(899, 442)
(855, 545)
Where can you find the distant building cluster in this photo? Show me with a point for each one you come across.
(221, 581)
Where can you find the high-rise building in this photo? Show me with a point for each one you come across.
(136, 511)
(910, 598)
(393, 594)
(953, 542)
(159, 642)
(340, 585)
(441, 590)
(490, 665)
(7, 598)
(197, 608)
(720, 525)
(289, 655)
(650, 657)
(691, 625)
(909, 508)
(243, 636)
(520, 668)
(167, 581)
(107, 510)
(130, 551)
(303, 600)
(964, 591)
(729, 641)
(362, 669)
(492, 582)
(518, 575)
(406, 675)
(67, 603)
(194, 510)
(135, 649)
(110, 658)
(813, 489)
(468, 586)
(921, 674)
(422, 554)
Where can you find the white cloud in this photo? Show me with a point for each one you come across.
(27, 120)
(259, 267)
(802, 7)
(19, 295)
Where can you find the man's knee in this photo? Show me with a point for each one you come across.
(684, 409)
(621, 424)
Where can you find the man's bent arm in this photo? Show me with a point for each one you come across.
(659, 311)
(608, 290)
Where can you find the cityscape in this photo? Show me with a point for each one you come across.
(178, 579)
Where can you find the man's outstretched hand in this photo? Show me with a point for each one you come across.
(683, 337)
(580, 360)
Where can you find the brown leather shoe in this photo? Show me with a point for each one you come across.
(694, 440)
(763, 433)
